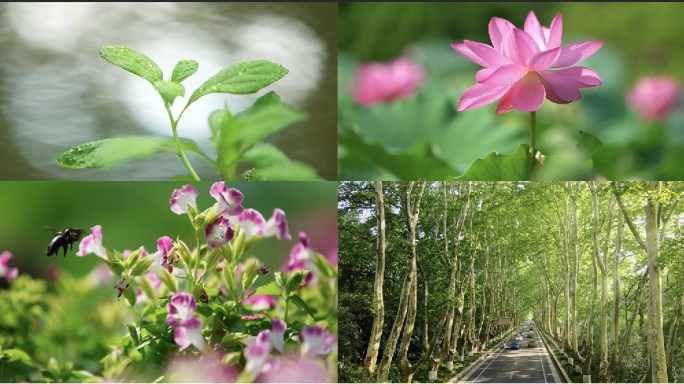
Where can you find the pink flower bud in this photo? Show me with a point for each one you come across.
(654, 97)
(380, 82)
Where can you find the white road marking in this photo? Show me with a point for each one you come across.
(485, 368)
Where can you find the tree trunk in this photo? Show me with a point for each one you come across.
(606, 374)
(412, 210)
(372, 352)
(655, 307)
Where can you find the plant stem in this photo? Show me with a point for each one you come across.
(533, 127)
(181, 153)
(533, 123)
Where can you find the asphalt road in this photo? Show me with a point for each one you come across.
(524, 365)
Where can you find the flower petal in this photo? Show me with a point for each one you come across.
(519, 47)
(504, 75)
(528, 93)
(483, 54)
(534, 29)
(479, 95)
(553, 40)
(563, 85)
(573, 77)
(504, 105)
(543, 60)
(574, 53)
(498, 27)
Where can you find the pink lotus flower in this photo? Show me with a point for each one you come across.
(523, 67)
(380, 82)
(654, 97)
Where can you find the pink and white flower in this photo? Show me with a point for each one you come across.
(301, 258)
(165, 255)
(277, 226)
(228, 200)
(10, 273)
(317, 340)
(181, 198)
(524, 67)
(187, 326)
(260, 302)
(93, 244)
(219, 232)
(251, 222)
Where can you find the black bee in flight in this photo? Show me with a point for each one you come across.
(63, 240)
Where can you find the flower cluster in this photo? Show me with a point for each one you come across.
(523, 67)
(203, 290)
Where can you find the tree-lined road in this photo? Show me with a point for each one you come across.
(524, 365)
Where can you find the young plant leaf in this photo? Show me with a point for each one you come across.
(183, 70)
(133, 62)
(169, 91)
(241, 78)
(111, 152)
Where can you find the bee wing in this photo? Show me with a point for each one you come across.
(53, 229)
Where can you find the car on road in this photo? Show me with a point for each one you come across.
(531, 343)
(515, 345)
(518, 338)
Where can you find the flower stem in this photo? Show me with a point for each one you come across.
(181, 153)
(533, 127)
(533, 123)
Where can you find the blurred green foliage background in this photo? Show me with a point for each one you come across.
(639, 39)
(134, 214)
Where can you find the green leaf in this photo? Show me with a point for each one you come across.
(272, 289)
(231, 339)
(9, 356)
(266, 116)
(588, 144)
(169, 91)
(183, 70)
(417, 163)
(272, 164)
(241, 78)
(133, 62)
(499, 167)
(111, 152)
(301, 304)
(134, 333)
